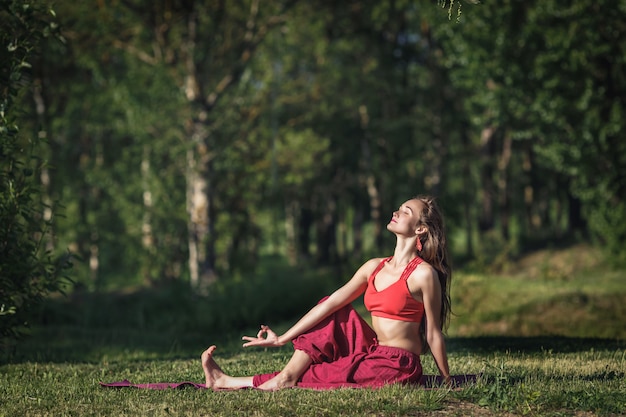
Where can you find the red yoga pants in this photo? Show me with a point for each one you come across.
(345, 353)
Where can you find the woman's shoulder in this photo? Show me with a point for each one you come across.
(370, 265)
(378, 260)
(424, 272)
(367, 269)
(374, 262)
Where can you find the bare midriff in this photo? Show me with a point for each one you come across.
(396, 333)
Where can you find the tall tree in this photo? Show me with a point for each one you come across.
(207, 46)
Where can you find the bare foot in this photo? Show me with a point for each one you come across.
(280, 381)
(212, 372)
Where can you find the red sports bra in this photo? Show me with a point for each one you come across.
(395, 301)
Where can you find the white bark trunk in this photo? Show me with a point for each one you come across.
(147, 237)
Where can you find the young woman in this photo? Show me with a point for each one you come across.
(408, 296)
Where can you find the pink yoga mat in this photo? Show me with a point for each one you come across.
(154, 385)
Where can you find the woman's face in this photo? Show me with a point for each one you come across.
(405, 220)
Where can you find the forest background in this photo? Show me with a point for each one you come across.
(205, 146)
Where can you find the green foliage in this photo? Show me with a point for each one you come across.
(270, 295)
(322, 127)
(28, 271)
(544, 74)
(608, 219)
(117, 155)
(300, 156)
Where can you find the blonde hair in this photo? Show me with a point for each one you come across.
(435, 252)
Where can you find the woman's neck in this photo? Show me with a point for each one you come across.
(404, 252)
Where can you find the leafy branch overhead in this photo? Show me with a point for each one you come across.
(452, 4)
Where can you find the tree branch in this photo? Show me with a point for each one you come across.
(252, 39)
(131, 49)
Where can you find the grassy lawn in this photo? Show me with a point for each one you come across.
(546, 341)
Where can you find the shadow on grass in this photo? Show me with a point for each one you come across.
(59, 344)
(535, 344)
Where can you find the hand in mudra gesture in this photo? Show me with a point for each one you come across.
(265, 337)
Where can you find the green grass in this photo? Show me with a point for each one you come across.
(532, 376)
(546, 342)
(564, 293)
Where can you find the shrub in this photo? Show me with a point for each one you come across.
(27, 271)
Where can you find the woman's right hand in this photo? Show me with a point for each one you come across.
(264, 338)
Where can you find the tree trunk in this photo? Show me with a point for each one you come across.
(468, 193)
(291, 215)
(375, 210)
(487, 153)
(368, 178)
(147, 237)
(528, 186)
(576, 221)
(87, 242)
(357, 233)
(94, 256)
(44, 175)
(326, 233)
(304, 233)
(503, 184)
(342, 236)
(199, 210)
(199, 173)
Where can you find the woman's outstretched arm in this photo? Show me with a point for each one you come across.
(342, 296)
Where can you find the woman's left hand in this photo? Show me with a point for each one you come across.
(270, 340)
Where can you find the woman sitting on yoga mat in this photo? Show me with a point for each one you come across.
(408, 296)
